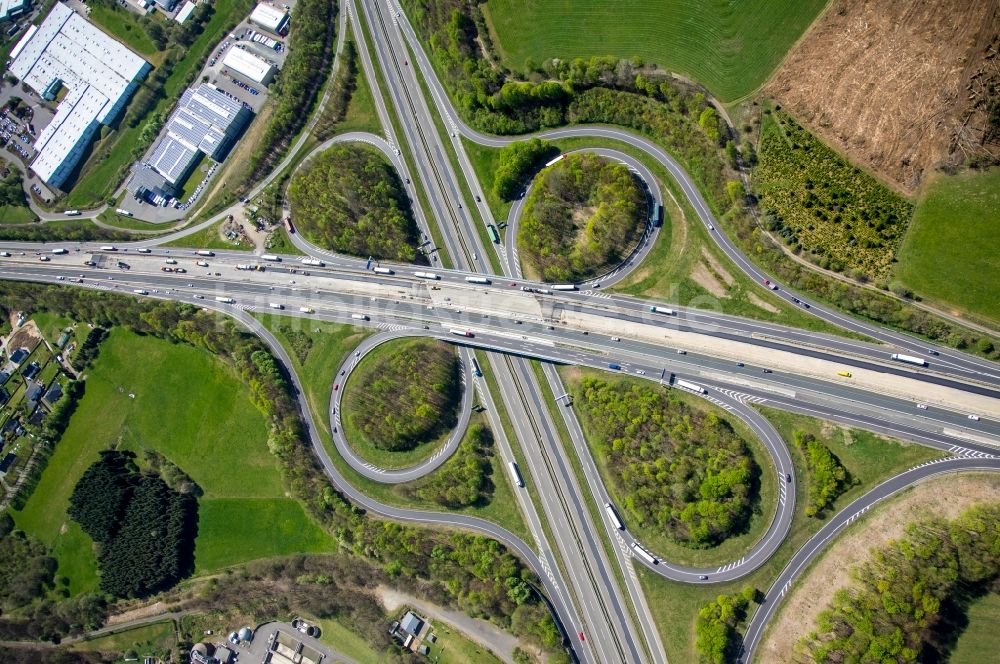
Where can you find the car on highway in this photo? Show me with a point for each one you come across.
(336, 386)
(739, 364)
(767, 282)
(922, 406)
(616, 338)
(681, 351)
(788, 477)
(703, 577)
(44, 259)
(974, 418)
(766, 371)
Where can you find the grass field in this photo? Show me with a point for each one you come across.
(978, 643)
(730, 48)
(949, 256)
(193, 409)
(154, 639)
(16, 214)
(870, 458)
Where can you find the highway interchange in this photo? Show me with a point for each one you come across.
(583, 561)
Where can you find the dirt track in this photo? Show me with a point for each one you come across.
(892, 82)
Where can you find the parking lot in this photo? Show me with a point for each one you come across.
(254, 40)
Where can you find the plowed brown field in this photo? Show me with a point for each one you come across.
(895, 83)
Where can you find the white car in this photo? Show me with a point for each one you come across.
(974, 418)
(616, 338)
(922, 406)
(640, 372)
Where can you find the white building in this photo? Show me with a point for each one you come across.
(13, 8)
(249, 66)
(270, 18)
(98, 73)
(184, 13)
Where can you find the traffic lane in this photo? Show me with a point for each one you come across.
(420, 517)
(689, 362)
(556, 511)
(812, 548)
(411, 99)
(405, 112)
(711, 322)
(599, 493)
(395, 475)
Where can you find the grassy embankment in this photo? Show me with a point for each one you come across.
(869, 458)
(949, 255)
(318, 349)
(729, 48)
(192, 409)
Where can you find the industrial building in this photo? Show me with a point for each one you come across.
(249, 66)
(207, 122)
(270, 18)
(13, 8)
(99, 76)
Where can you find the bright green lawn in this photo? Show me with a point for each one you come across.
(193, 409)
(145, 640)
(730, 47)
(949, 255)
(978, 643)
(870, 458)
(16, 214)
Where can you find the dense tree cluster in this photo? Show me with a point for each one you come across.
(908, 599)
(516, 163)
(474, 574)
(404, 395)
(716, 639)
(349, 199)
(464, 479)
(310, 48)
(11, 191)
(827, 476)
(582, 219)
(146, 530)
(27, 570)
(680, 469)
(100, 496)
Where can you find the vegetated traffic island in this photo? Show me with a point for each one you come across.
(402, 401)
(582, 219)
(349, 199)
(686, 481)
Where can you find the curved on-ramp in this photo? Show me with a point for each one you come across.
(396, 475)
